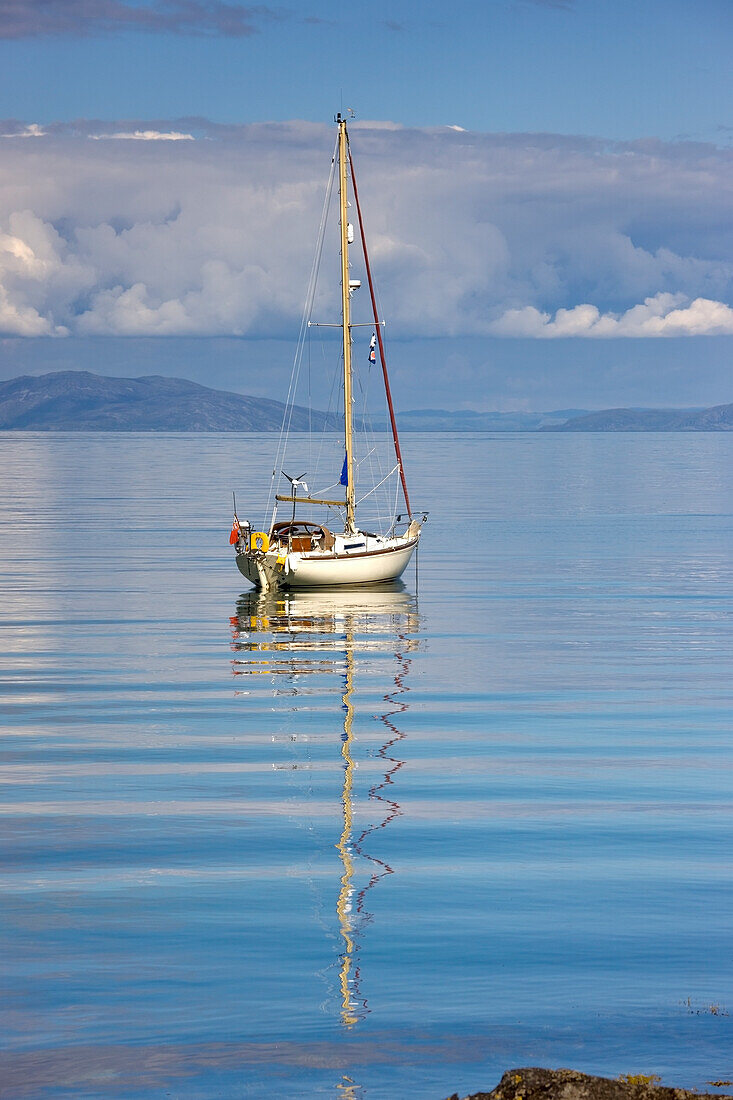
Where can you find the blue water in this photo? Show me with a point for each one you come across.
(366, 845)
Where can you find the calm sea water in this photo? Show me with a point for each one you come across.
(370, 845)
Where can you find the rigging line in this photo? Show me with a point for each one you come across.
(372, 434)
(380, 341)
(365, 457)
(315, 268)
(375, 487)
(363, 378)
(307, 310)
(328, 488)
(329, 414)
(369, 433)
(367, 423)
(324, 426)
(374, 455)
(310, 401)
(310, 297)
(378, 497)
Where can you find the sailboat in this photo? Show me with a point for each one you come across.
(298, 553)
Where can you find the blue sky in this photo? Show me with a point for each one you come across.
(570, 244)
(616, 70)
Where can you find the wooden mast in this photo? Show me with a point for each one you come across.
(346, 326)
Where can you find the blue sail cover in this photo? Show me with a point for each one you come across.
(344, 480)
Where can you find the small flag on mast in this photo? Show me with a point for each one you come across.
(344, 479)
(372, 348)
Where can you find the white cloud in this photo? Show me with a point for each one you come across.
(662, 315)
(33, 271)
(143, 135)
(31, 130)
(19, 320)
(470, 234)
(129, 312)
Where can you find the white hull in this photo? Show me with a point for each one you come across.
(387, 562)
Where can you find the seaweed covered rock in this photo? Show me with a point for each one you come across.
(568, 1084)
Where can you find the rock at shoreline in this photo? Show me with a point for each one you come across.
(568, 1084)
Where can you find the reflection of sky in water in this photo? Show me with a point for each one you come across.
(369, 845)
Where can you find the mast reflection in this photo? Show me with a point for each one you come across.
(341, 634)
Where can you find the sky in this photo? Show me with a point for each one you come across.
(547, 189)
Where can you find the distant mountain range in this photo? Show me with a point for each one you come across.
(81, 401)
(440, 420)
(719, 418)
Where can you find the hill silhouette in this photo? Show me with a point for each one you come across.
(82, 401)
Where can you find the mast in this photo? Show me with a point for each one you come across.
(378, 330)
(346, 327)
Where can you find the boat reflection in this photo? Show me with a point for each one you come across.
(344, 636)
